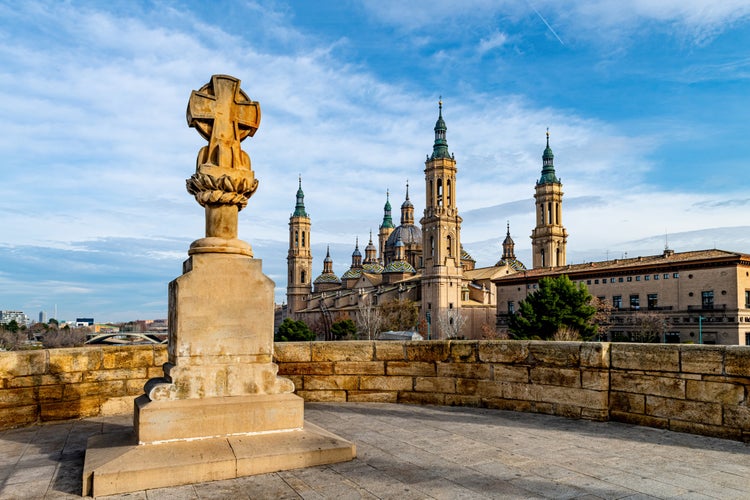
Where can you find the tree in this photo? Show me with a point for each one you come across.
(557, 303)
(399, 314)
(70, 337)
(292, 331)
(602, 318)
(648, 327)
(450, 323)
(344, 329)
(12, 326)
(369, 318)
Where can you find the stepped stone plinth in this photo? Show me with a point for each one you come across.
(220, 411)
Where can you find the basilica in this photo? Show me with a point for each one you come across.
(424, 263)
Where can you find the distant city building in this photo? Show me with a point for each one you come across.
(19, 316)
(42, 317)
(82, 322)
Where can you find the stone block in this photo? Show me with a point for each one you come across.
(79, 359)
(705, 429)
(595, 414)
(107, 388)
(115, 374)
(507, 404)
(155, 372)
(297, 380)
(40, 380)
(523, 392)
(359, 368)
(737, 417)
(488, 389)
(505, 373)
(159, 421)
(135, 387)
(594, 379)
(644, 384)
(323, 396)
(464, 370)
(421, 398)
(638, 419)
(566, 377)
(23, 396)
(438, 350)
(273, 452)
(463, 351)
(19, 416)
(161, 354)
(503, 351)
(65, 410)
(656, 357)
(343, 351)
(567, 411)
(466, 385)
(626, 402)
(574, 397)
(737, 361)
(390, 351)
(292, 352)
(312, 368)
(702, 359)
(23, 363)
(49, 393)
(435, 384)
(117, 406)
(335, 382)
(595, 354)
(462, 400)
(563, 354)
(691, 411)
(377, 383)
(372, 397)
(412, 368)
(716, 392)
(127, 357)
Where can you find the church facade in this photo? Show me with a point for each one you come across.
(425, 264)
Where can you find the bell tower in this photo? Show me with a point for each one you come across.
(386, 227)
(549, 237)
(299, 258)
(441, 233)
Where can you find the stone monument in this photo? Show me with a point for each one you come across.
(220, 410)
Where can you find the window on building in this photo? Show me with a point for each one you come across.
(612, 280)
(656, 276)
(440, 192)
(630, 278)
(617, 301)
(303, 238)
(596, 282)
(511, 307)
(676, 275)
(449, 192)
(296, 238)
(747, 299)
(588, 282)
(303, 277)
(638, 278)
(620, 279)
(449, 246)
(542, 254)
(653, 300)
(635, 301)
(707, 299)
(647, 277)
(666, 276)
(450, 306)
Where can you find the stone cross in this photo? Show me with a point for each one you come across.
(224, 180)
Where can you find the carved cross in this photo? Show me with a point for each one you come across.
(224, 115)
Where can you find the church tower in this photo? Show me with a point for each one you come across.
(441, 233)
(299, 258)
(386, 227)
(549, 237)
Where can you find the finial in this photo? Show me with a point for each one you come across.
(370, 236)
(300, 180)
(407, 189)
(440, 105)
(328, 251)
(356, 243)
(387, 194)
(547, 136)
(507, 224)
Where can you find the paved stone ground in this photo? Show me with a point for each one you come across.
(418, 452)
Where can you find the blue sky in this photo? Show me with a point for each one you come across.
(646, 104)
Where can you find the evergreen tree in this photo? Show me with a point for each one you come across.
(343, 328)
(557, 304)
(293, 331)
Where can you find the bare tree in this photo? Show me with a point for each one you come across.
(450, 323)
(369, 318)
(648, 327)
(602, 317)
(566, 334)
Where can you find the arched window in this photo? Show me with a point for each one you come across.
(440, 193)
(303, 277)
(432, 246)
(557, 258)
(449, 246)
(557, 214)
(542, 253)
(541, 213)
(449, 193)
(296, 238)
(303, 239)
(431, 194)
(549, 213)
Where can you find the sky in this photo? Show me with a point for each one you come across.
(646, 103)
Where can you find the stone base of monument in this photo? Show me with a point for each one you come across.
(116, 463)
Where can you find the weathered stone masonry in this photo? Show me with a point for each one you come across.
(689, 388)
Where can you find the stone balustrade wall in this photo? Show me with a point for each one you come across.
(689, 388)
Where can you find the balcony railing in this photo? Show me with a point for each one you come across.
(707, 307)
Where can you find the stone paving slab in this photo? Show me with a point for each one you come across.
(425, 452)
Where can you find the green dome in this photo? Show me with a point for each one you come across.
(440, 148)
(399, 266)
(548, 166)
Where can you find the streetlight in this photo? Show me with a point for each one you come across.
(427, 314)
(700, 329)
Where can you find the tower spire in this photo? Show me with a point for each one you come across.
(440, 148)
(299, 208)
(548, 165)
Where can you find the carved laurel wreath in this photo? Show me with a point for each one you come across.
(223, 190)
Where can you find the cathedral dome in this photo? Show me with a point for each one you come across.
(373, 268)
(409, 234)
(399, 266)
(352, 273)
(327, 278)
